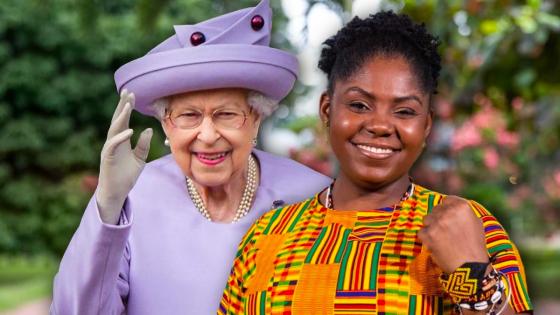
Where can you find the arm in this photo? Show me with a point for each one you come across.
(507, 260)
(479, 235)
(93, 274)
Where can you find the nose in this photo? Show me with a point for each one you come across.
(207, 132)
(379, 125)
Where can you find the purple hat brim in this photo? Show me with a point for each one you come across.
(267, 70)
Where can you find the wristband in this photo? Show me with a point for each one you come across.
(466, 281)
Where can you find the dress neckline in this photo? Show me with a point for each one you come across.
(410, 191)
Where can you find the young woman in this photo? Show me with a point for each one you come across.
(374, 242)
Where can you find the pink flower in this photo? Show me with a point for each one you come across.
(507, 139)
(551, 185)
(489, 117)
(466, 136)
(482, 100)
(491, 158)
(444, 109)
(557, 177)
(518, 196)
(476, 61)
(517, 104)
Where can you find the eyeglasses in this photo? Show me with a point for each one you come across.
(189, 118)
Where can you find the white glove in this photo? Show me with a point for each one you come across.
(120, 165)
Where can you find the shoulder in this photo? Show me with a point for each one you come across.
(164, 166)
(163, 163)
(492, 227)
(159, 176)
(284, 173)
(285, 219)
(280, 165)
(432, 198)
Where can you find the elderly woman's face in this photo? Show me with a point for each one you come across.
(217, 147)
(379, 119)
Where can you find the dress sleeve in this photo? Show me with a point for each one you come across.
(507, 259)
(244, 266)
(93, 274)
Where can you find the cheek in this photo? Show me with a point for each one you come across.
(341, 127)
(180, 143)
(180, 140)
(240, 141)
(346, 123)
(413, 134)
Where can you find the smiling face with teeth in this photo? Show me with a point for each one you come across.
(212, 156)
(379, 119)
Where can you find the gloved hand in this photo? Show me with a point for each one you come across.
(120, 164)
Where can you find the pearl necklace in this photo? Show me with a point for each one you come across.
(246, 198)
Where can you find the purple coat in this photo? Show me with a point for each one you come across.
(165, 257)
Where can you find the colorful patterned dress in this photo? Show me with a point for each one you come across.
(308, 259)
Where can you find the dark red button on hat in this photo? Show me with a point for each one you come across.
(257, 22)
(197, 38)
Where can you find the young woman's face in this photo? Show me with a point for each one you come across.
(379, 119)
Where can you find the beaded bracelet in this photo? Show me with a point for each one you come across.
(470, 289)
(496, 300)
(487, 300)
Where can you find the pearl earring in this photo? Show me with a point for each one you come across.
(254, 141)
(166, 142)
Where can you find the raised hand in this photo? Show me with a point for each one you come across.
(120, 164)
(454, 234)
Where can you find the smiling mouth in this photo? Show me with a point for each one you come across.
(211, 156)
(376, 152)
(211, 159)
(375, 149)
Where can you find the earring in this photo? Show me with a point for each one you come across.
(166, 142)
(327, 123)
(254, 141)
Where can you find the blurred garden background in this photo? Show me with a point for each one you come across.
(497, 137)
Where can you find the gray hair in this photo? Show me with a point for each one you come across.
(262, 104)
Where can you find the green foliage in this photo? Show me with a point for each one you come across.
(24, 278)
(56, 99)
(543, 272)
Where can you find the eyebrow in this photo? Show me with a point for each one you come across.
(403, 99)
(398, 100)
(220, 106)
(227, 104)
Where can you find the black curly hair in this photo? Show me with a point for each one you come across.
(382, 34)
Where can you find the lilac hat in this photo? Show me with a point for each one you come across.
(231, 50)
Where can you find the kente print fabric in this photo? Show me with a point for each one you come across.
(307, 259)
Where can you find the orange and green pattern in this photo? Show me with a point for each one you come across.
(307, 259)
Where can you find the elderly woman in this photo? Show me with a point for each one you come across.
(160, 238)
(374, 242)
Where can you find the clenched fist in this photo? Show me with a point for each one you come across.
(454, 234)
